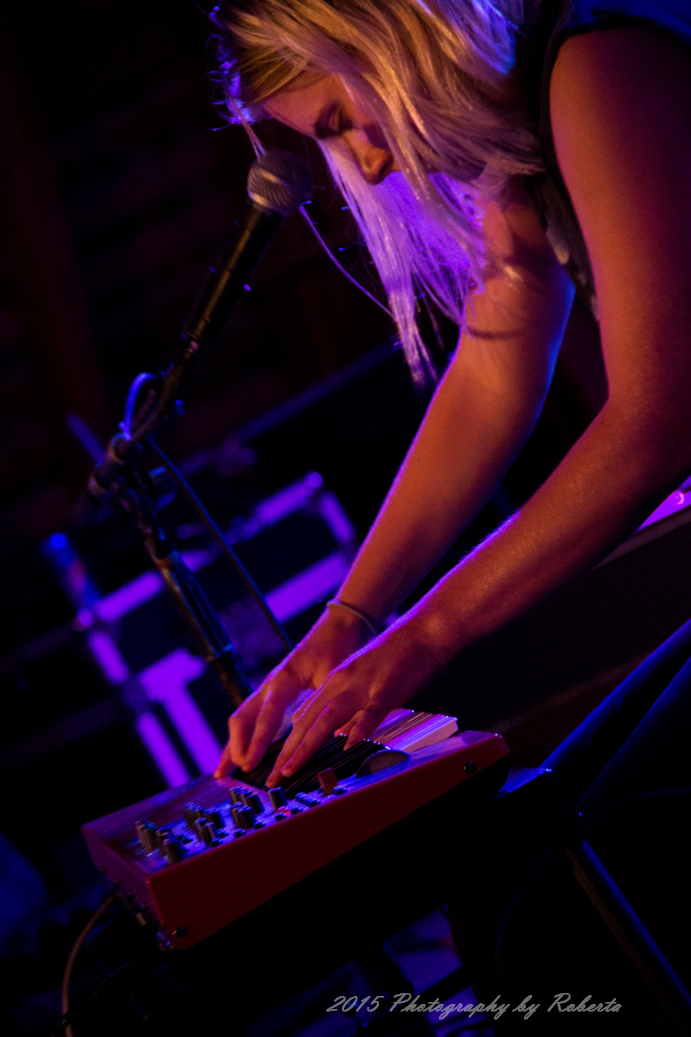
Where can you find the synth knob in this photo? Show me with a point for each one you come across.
(171, 849)
(253, 801)
(205, 831)
(235, 795)
(192, 813)
(277, 797)
(243, 817)
(147, 835)
(216, 819)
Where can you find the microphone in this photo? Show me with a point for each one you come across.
(278, 184)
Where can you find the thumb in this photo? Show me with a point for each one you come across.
(225, 764)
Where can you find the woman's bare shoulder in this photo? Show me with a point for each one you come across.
(618, 83)
(620, 106)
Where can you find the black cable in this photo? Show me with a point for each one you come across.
(109, 989)
(78, 944)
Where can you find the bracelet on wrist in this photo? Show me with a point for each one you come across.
(373, 628)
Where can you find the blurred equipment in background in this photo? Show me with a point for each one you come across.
(297, 545)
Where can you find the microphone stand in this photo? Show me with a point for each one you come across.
(136, 491)
(278, 184)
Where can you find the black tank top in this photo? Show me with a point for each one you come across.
(552, 201)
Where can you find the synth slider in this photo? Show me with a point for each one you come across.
(195, 858)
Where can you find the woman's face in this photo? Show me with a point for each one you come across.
(323, 108)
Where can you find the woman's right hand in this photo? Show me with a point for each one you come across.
(255, 724)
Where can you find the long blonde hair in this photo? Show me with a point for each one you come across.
(436, 76)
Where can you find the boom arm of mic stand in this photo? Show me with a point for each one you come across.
(116, 475)
(214, 306)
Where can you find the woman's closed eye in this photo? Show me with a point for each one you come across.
(336, 126)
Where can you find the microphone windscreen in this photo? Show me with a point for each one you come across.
(280, 182)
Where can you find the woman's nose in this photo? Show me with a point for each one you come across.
(375, 162)
(377, 166)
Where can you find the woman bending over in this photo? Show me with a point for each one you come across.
(499, 156)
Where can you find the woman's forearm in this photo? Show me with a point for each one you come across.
(458, 458)
(616, 472)
(480, 417)
(611, 479)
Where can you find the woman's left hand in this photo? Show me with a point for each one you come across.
(357, 696)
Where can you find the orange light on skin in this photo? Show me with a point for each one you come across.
(322, 107)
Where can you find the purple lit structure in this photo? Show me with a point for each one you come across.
(172, 724)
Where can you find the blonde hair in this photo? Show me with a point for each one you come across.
(435, 74)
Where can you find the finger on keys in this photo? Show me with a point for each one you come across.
(364, 723)
(345, 729)
(239, 740)
(303, 742)
(225, 764)
(239, 731)
(265, 728)
(300, 723)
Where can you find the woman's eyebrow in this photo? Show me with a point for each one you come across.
(322, 125)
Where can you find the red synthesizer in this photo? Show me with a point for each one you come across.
(197, 857)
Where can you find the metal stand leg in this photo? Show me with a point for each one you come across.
(632, 936)
(529, 815)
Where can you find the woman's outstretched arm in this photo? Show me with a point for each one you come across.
(621, 116)
(480, 416)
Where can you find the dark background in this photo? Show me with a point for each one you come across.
(119, 183)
